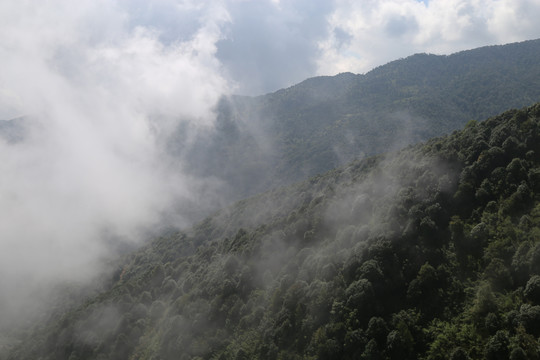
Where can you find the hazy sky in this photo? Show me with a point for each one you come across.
(105, 81)
(265, 45)
(259, 46)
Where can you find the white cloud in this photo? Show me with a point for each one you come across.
(381, 31)
(103, 94)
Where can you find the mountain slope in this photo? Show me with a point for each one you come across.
(263, 142)
(428, 253)
(325, 122)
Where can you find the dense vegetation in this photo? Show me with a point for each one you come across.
(432, 252)
(326, 122)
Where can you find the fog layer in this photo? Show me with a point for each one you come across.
(100, 97)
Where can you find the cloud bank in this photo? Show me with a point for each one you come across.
(101, 96)
(271, 44)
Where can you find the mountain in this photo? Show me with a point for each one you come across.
(260, 143)
(431, 252)
(292, 134)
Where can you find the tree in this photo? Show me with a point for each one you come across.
(377, 329)
(459, 354)
(529, 317)
(532, 289)
(518, 354)
(497, 346)
(371, 352)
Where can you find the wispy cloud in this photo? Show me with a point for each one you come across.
(102, 96)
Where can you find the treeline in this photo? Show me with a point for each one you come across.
(432, 252)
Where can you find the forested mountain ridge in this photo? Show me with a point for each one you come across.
(324, 122)
(259, 143)
(431, 252)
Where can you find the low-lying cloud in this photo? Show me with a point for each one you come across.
(100, 98)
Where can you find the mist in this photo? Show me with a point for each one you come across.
(104, 87)
(100, 98)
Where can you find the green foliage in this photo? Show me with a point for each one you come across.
(532, 290)
(497, 346)
(428, 253)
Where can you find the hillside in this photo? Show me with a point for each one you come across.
(260, 143)
(431, 252)
(324, 122)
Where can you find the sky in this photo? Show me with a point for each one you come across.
(104, 82)
(265, 45)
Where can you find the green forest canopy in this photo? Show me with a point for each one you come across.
(431, 252)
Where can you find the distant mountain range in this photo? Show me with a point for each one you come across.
(292, 134)
(267, 141)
